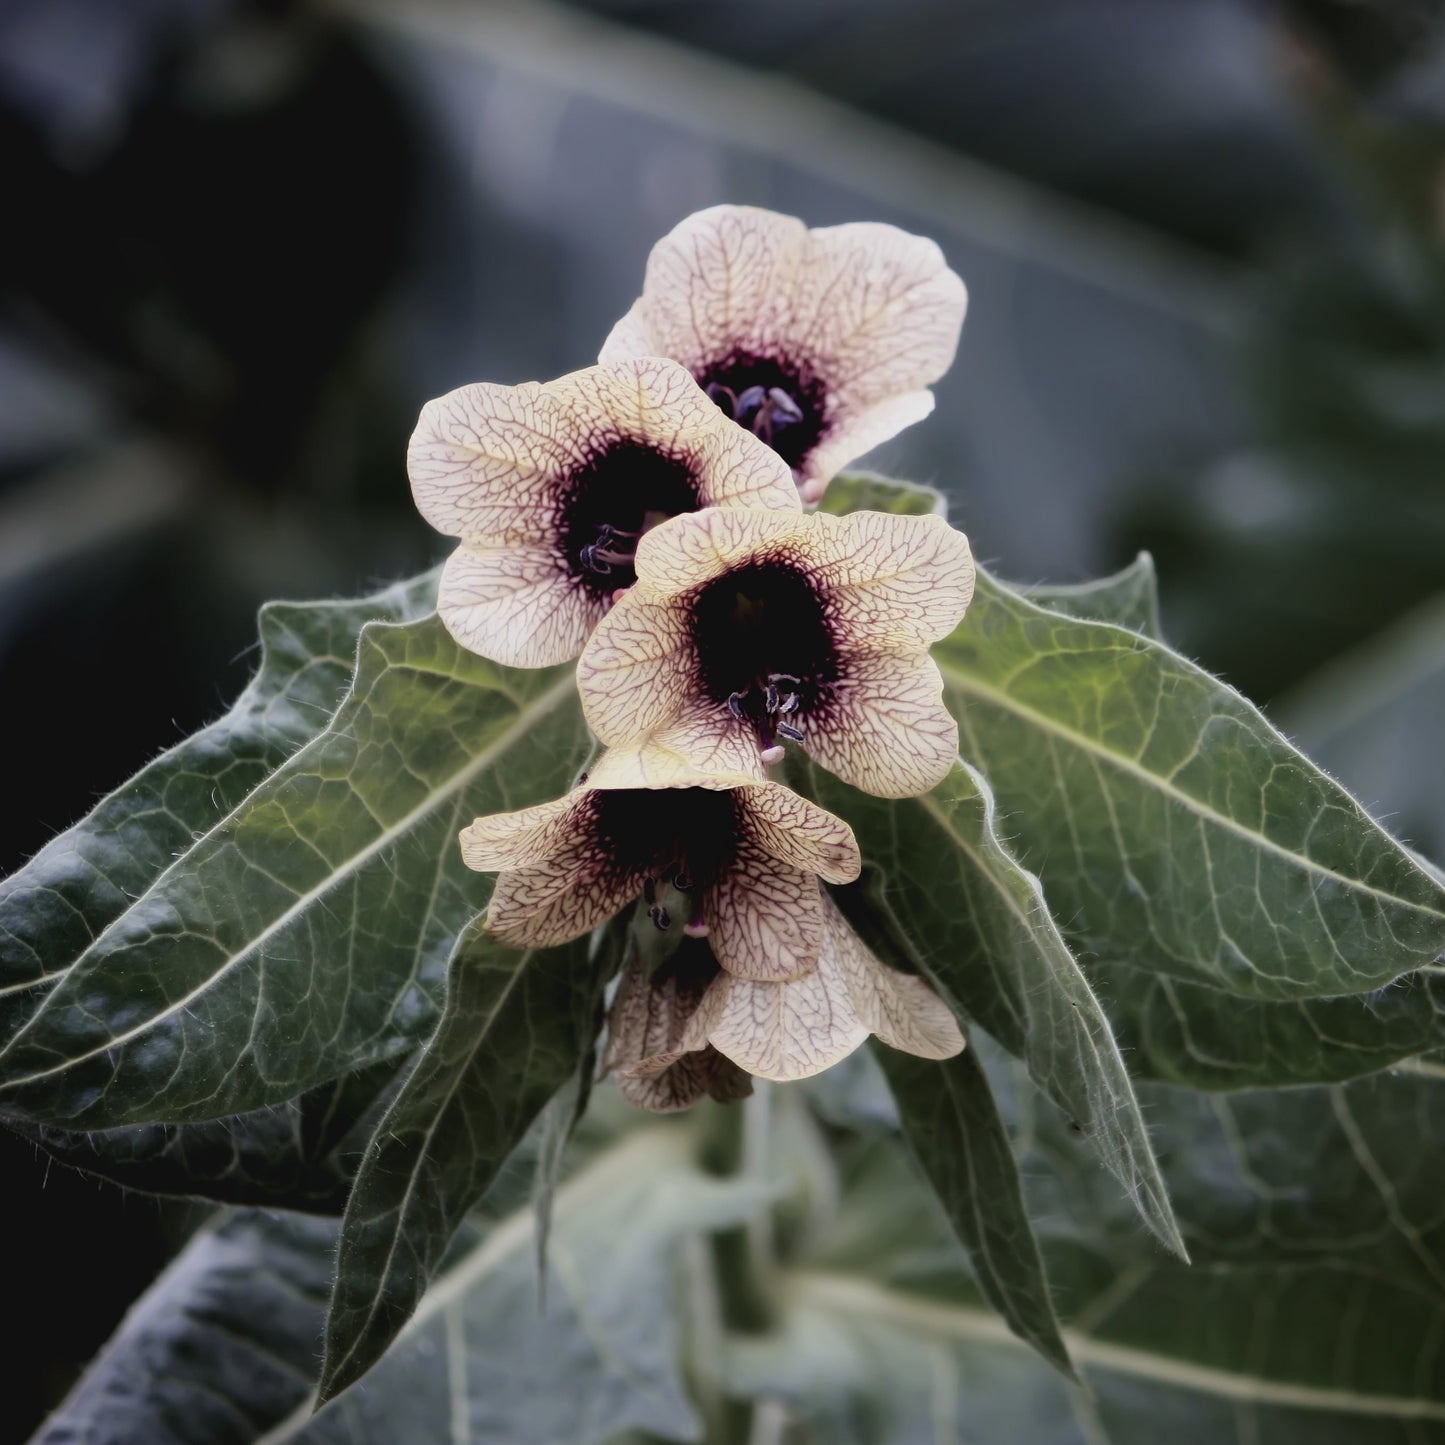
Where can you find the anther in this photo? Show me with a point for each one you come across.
(770, 697)
(660, 917)
(649, 890)
(786, 730)
(735, 706)
(682, 882)
(789, 704)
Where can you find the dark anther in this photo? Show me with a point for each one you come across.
(735, 706)
(789, 704)
(661, 918)
(592, 562)
(784, 677)
(723, 396)
(649, 890)
(770, 697)
(786, 730)
(682, 882)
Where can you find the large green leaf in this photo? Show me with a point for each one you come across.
(302, 1154)
(953, 1128)
(515, 1029)
(1315, 1309)
(56, 907)
(307, 933)
(947, 894)
(1174, 829)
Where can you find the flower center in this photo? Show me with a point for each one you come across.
(621, 491)
(764, 647)
(776, 400)
(676, 838)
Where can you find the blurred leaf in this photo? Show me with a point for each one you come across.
(516, 1027)
(953, 1128)
(302, 1154)
(56, 907)
(959, 904)
(1173, 827)
(221, 1347)
(492, 1358)
(1315, 1308)
(306, 934)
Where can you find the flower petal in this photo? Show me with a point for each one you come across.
(571, 893)
(635, 671)
(668, 759)
(682, 1084)
(788, 1030)
(792, 830)
(722, 279)
(515, 604)
(885, 729)
(687, 551)
(653, 1023)
(895, 582)
(901, 1009)
(526, 837)
(710, 739)
(657, 400)
(489, 461)
(877, 311)
(854, 432)
(764, 917)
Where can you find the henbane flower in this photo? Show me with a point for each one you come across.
(748, 628)
(672, 1036)
(821, 342)
(550, 486)
(745, 854)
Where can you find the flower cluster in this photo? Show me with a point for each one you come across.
(647, 516)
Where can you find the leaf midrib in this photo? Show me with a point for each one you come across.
(967, 684)
(527, 716)
(847, 1293)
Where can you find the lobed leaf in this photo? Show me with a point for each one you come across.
(55, 908)
(976, 922)
(1173, 827)
(306, 935)
(515, 1030)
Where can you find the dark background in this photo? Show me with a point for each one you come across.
(244, 242)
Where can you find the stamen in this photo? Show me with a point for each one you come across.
(770, 698)
(682, 882)
(661, 918)
(786, 730)
(789, 704)
(735, 706)
(649, 890)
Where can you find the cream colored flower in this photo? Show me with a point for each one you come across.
(550, 486)
(821, 342)
(748, 628)
(671, 1036)
(747, 853)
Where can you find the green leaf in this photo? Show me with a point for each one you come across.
(1129, 598)
(1315, 1309)
(954, 1131)
(489, 1355)
(306, 935)
(56, 907)
(221, 1347)
(961, 907)
(868, 492)
(1174, 829)
(302, 1154)
(514, 1031)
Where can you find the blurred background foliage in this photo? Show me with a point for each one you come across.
(245, 241)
